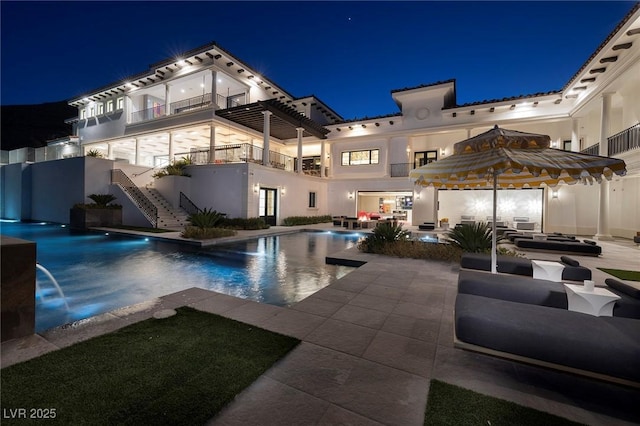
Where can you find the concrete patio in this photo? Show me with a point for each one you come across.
(371, 342)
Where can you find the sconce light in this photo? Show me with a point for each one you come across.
(283, 190)
(554, 193)
(554, 144)
(350, 195)
(417, 196)
(443, 152)
(256, 187)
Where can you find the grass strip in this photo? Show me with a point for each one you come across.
(622, 274)
(452, 405)
(180, 371)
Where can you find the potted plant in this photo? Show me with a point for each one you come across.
(444, 223)
(99, 213)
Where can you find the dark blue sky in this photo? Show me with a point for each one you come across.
(349, 54)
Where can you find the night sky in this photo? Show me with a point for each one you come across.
(349, 54)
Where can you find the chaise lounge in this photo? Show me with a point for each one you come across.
(576, 247)
(527, 320)
(522, 266)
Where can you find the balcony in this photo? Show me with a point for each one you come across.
(239, 153)
(624, 141)
(188, 105)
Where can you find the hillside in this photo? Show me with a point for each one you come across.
(33, 125)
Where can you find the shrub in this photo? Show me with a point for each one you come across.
(414, 250)
(102, 199)
(206, 233)
(94, 153)
(305, 220)
(475, 238)
(383, 234)
(177, 168)
(206, 218)
(251, 223)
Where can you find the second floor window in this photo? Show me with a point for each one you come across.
(120, 103)
(83, 114)
(100, 108)
(356, 158)
(110, 106)
(420, 158)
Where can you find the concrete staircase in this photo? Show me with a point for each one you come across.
(168, 217)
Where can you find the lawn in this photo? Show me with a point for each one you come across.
(179, 370)
(452, 405)
(623, 274)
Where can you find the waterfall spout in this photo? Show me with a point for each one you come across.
(55, 284)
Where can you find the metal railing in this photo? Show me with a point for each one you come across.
(624, 141)
(190, 104)
(148, 114)
(188, 205)
(400, 169)
(239, 153)
(592, 150)
(118, 177)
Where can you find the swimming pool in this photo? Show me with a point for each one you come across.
(99, 273)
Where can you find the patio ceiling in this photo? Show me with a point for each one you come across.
(284, 119)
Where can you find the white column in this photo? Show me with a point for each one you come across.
(323, 154)
(299, 130)
(214, 90)
(171, 148)
(167, 101)
(110, 151)
(265, 138)
(603, 233)
(137, 157)
(575, 135)
(212, 144)
(387, 170)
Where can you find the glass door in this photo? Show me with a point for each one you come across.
(268, 205)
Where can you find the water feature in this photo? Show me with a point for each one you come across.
(41, 293)
(98, 273)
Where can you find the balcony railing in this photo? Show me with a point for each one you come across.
(191, 104)
(400, 169)
(239, 153)
(624, 141)
(592, 150)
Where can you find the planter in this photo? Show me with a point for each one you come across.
(88, 218)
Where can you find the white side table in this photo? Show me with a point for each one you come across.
(598, 302)
(546, 270)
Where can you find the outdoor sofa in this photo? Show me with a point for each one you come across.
(527, 320)
(575, 247)
(522, 266)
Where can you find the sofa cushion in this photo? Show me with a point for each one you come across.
(569, 261)
(605, 345)
(623, 287)
(513, 288)
(519, 266)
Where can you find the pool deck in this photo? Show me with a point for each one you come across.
(371, 342)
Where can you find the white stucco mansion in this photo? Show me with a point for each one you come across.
(257, 150)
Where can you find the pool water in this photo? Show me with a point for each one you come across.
(99, 273)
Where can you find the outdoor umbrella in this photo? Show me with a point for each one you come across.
(501, 158)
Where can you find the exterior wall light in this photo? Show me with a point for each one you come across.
(256, 187)
(350, 195)
(283, 191)
(554, 193)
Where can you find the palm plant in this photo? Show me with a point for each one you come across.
(382, 234)
(475, 238)
(101, 199)
(207, 218)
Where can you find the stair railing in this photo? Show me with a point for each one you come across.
(118, 177)
(188, 205)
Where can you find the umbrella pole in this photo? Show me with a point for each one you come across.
(494, 238)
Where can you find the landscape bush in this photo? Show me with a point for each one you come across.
(305, 220)
(197, 233)
(177, 168)
(207, 218)
(251, 223)
(413, 249)
(474, 238)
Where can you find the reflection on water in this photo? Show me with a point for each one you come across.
(99, 273)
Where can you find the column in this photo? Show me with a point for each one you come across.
(299, 130)
(575, 135)
(110, 151)
(137, 157)
(603, 233)
(212, 144)
(167, 101)
(170, 148)
(214, 91)
(265, 141)
(323, 155)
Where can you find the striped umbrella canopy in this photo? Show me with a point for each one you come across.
(501, 158)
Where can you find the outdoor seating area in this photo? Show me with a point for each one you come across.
(571, 271)
(533, 321)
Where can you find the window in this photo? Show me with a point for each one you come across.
(100, 108)
(110, 106)
(566, 145)
(120, 103)
(356, 158)
(312, 200)
(92, 111)
(83, 114)
(420, 158)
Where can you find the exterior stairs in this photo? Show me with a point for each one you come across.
(168, 216)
